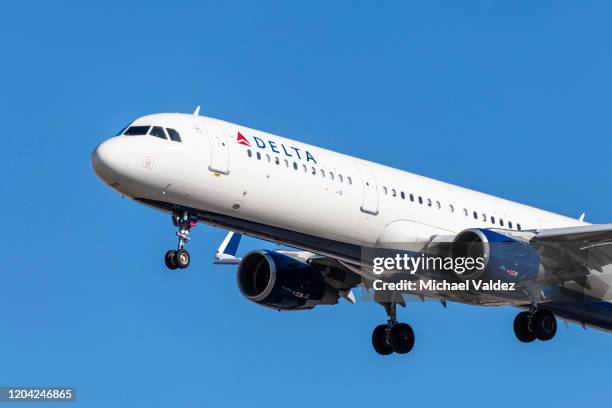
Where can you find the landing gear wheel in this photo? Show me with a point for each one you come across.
(521, 328)
(182, 258)
(379, 340)
(544, 325)
(401, 338)
(170, 259)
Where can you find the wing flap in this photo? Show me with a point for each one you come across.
(585, 249)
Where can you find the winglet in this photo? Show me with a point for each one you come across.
(581, 219)
(196, 112)
(226, 253)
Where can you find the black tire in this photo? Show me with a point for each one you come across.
(379, 340)
(521, 328)
(401, 338)
(544, 325)
(170, 259)
(182, 258)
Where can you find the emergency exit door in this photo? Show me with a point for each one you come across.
(369, 201)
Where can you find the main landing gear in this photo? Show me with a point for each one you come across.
(535, 324)
(180, 258)
(393, 336)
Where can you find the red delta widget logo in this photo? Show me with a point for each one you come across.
(288, 151)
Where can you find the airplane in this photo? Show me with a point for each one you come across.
(328, 207)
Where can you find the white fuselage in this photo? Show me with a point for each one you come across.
(290, 185)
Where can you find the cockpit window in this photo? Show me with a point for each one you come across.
(158, 131)
(137, 130)
(122, 130)
(174, 135)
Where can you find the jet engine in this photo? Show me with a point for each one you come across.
(503, 258)
(281, 282)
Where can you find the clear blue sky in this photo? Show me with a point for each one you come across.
(511, 99)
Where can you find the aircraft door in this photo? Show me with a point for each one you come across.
(219, 149)
(369, 202)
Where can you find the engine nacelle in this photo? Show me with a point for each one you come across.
(505, 258)
(281, 282)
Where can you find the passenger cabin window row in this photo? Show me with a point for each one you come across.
(157, 131)
(451, 208)
(301, 167)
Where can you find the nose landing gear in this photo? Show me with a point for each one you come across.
(180, 258)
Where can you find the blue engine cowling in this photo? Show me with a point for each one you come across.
(505, 258)
(280, 282)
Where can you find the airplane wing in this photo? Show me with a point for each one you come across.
(581, 255)
(226, 253)
(587, 232)
(335, 275)
(589, 246)
(569, 254)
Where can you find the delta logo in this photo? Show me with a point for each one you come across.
(278, 148)
(242, 140)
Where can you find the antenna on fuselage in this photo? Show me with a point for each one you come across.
(581, 219)
(196, 112)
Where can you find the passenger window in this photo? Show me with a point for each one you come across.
(420, 200)
(258, 156)
(331, 175)
(295, 166)
(429, 202)
(137, 130)
(249, 153)
(393, 192)
(510, 224)
(411, 197)
(501, 222)
(465, 212)
(340, 178)
(492, 220)
(475, 215)
(174, 135)
(268, 158)
(451, 208)
(438, 205)
(350, 181)
(518, 227)
(403, 195)
(304, 168)
(313, 171)
(277, 161)
(484, 217)
(286, 163)
(322, 173)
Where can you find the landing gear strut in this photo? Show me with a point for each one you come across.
(535, 324)
(180, 258)
(393, 336)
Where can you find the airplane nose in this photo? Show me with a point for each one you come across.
(107, 161)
